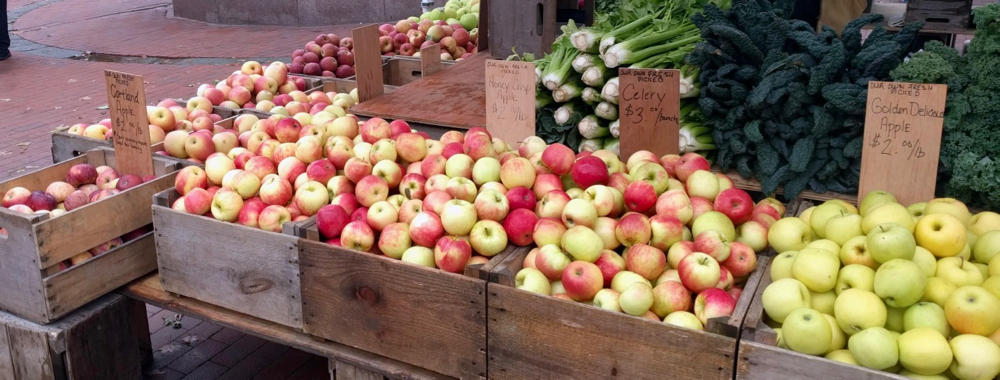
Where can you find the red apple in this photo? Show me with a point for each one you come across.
(425, 229)
(520, 226)
(646, 261)
(713, 303)
(741, 261)
(330, 220)
(520, 198)
(640, 196)
(582, 280)
(736, 204)
(451, 254)
(690, 163)
(589, 171)
(610, 264)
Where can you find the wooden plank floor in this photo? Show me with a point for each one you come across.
(202, 350)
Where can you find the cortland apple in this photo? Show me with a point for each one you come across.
(806, 330)
(901, 283)
(81, 174)
(40, 200)
(532, 280)
(698, 271)
(783, 296)
(520, 226)
(451, 254)
(582, 243)
(874, 348)
(394, 240)
(858, 309)
(582, 280)
(488, 238)
(817, 269)
(942, 234)
(589, 171)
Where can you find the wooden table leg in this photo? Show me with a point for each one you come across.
(140, 328)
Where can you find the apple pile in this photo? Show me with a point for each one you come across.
(910, 290)
(84, 184)
(685, 235)
(407, 37)
(165, 117)
(252, 87)
(328, 55)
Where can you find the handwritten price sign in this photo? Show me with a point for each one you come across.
(127, 103)
(903, 124)
(650, 108)
(510, 100)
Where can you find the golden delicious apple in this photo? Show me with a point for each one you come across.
(942, 234)
(783, 296)
(925, 351)
(789, 234)
(959, 272)
(926, 261)
(885, 213)
(823, 213)
(926, 314)
(855, 276)
(949, 206)
(806, 214)
(900, 283)
(894, 319)
(780, 339)
(992, 285)
(842, 228)
(806, 330)
(917, 210)
(875, 198)
(976, 357)
(817, 269)
(822, 302)
(843, 356)
(781, 267)
(826, 245)
(889, 241)
(973, 310)
(874, 348)
(938, 290)
(986, 246)
(838, 340)
(983, 269)
(994, 266)
(858, 309)
(916, 376)
(847, 205)
(984, 222)
(855, 251)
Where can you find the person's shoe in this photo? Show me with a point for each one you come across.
(4, 55)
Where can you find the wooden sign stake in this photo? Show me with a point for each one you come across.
(430, 60)
(127, 102)
(368, 62)
(510, 100)
(902, 141)
(649, 111)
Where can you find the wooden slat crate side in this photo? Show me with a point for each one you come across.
(6, 361)
(31, 356)
(421, 316)
(41, 178)
(21, 290)
(759, 361)
(240, 268)
(535, 336)
(67, 145)
(80, 284)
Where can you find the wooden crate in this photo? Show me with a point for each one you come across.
(244, 269)
(98, 341)
(940, 13)
(420, 316)
(400, 70)
(31, 284)
(536, 336)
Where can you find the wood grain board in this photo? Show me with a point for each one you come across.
(127, 106)
(453, 97)
(902, 140)
(649, 109)
(527, 26)
(510, 100)
(421, 316)
(368, 62)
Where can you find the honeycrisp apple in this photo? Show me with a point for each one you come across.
(582, 280)
(699, 271)
(713, 303)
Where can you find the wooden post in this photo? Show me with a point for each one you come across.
(649, 111)
(368, 62)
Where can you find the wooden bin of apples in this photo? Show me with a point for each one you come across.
(878, 291)
(687, 238)
(74, 231)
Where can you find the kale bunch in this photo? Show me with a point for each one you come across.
(787, 103)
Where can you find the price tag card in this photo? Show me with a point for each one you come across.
(127, 102)
(649, 111)
(510, 100)
(430, 60)
(902, 140)
(368, 62)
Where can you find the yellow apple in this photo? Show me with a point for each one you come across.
(781, 266)
(806, 330)
(843, 356)
(855, 251)
(992, 285)
(926, 261)
(842, 228)
(789, 234)
(927, 315)
(976, 357)
(874, 348)
(846, 205)
(858, 309)
(942, 234)
(984, 222)
(938, 290)
(823, 302)
(966, 253)
(781, 297)
(884, 213)
(970, 238)
(889, 241)
(983, 269)
(916, 376)
(838, 340)
(900, 283)
(986, 246)
(959, 272)
(994, 266)
(816, 268)
(780, 339)
(973, 310)
(823, 213)
(894, 319)
(806, 214)
(924, 351)
(826, 244)
(855, 276)
(949, 206)
(917, 210)
(875, 198)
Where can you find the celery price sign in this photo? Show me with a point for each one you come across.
(649, 110)
(510, 100)
(127, 103)
(902, 139)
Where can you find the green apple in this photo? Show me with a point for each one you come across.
(582, 243)
(986, 247)
(858, 309)
(959, 272)
(855, 251)
(994, 266)
(938, 290)
(714, 220)
(779, 339)
(992, 285)
(889, 241)
(847, 205)
(806, 330)
(532, 280)
(926, 261)
(916, 376)
(855, 276)
(781, 266)
(925, 351)
(976, 357)
(607, 299)
(623, 279)
(822, 215)
(822, 302)
(843, 356)
(826, 245)
(983, 269)
(684, 319)
(788, 234)
(874, 348)
(917, 210)
(973, 310)
(783, 296)
(817, 269)
(894, 319)
(900, 283)
(984, 222)
(966, 253)
(838, 340)
(949, 206)
(842, 228)
(926, 315)
(885, 213)
(942, 234)
(875, 198)
(636, 299)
